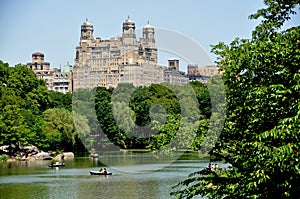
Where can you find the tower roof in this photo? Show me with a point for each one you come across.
(128, 20)
(37, 53)
(87, 22)
(148, 25)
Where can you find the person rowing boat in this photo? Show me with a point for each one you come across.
(103, 170)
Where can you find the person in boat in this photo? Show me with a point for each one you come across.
(103, 170)
(208, 167)
(216, 166)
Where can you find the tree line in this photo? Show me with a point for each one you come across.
(150, 117)
(125, 117)
(129, 117)
(30, 114)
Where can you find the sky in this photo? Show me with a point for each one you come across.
(53, 26)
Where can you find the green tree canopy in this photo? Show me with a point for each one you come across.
(59, 123)
(23, 100)
(150, 117)
(261, 136)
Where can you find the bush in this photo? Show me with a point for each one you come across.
(3, 158)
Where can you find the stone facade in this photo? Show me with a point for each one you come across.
(54, 78)
(201, 74)
(208, 71)
(124, 59)
(173, 63)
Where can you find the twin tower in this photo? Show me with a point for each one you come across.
(104, 60)
(145, 46)
(128, 32)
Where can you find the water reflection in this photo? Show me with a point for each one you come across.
(36, 180)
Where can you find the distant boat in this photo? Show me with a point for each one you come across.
(48, 158)
(100, 173)
(95, 155)
(57, 164)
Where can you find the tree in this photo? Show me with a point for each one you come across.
(23, 100)
(38, 100)
(83, 139)
(203, 96)
(260, 139)
(13, 130)
(166, 132)
(273, 17)
(60, 128)
(150, 117)
(60, 100)
(22, 80)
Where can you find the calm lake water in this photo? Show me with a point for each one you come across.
(133, 177)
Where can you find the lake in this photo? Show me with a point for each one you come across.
(135, 175)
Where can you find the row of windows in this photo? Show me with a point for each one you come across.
(61, 75)
(60, 83)
(61, 88)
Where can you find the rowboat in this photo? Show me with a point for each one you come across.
(100, 173)
(57, 165)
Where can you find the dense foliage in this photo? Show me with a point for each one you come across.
(125, 117)
(261, 136)
(30, 114)
(150, 117)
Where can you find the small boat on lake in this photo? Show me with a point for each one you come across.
(100, 173)
(57, 164)
(48, 158)
(94, 155)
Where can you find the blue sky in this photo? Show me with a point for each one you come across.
(53, 26)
